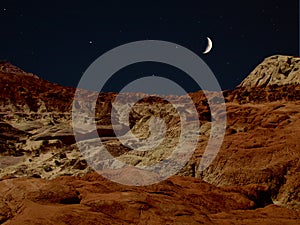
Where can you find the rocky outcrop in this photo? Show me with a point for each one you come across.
(259, 95)
(94, 200)
(261, 146)
(275, 70)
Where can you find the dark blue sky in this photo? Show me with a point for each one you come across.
(59, 40)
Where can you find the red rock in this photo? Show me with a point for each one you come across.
(253, 180)
(95, 200)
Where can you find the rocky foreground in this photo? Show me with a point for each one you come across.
(94, 200)
(254, 179)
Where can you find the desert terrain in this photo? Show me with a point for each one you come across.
(45, 179)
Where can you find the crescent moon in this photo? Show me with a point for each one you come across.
(209, 46)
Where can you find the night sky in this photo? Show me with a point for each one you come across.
(59, 40)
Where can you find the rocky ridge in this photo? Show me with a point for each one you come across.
(274, 70)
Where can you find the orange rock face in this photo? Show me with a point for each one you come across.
(94, 200)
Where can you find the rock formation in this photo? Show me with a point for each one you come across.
(253, 180)
(274, 70)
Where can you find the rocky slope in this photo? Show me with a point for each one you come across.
(94, 200)
(27, 93)
(274, 70)
(261, 144)
(257, 166)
